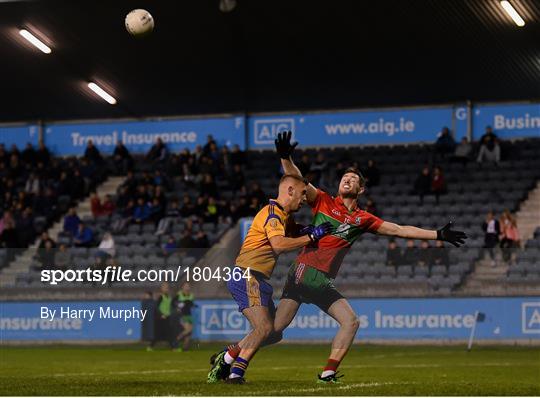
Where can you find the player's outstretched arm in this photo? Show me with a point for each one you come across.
(281, 244)
(456, 238)
(285, 150)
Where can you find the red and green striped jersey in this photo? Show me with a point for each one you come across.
(327, 254)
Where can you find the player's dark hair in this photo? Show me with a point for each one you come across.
(354, 170)
(294, 177)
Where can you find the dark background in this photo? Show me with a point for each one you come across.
(266, 55)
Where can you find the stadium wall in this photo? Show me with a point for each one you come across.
(312, 129)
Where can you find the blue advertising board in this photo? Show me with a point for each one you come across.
(353, 128)
(507, 121)
(391, 319)
(36, 321)
(245, 224)
(138, 137)
(19, 135)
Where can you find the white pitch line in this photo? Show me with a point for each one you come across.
(398, 366)
(335, 387)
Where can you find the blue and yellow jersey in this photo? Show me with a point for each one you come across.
(256, 252)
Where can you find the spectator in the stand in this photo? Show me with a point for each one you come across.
(126, 217)
(63, 184)
(424, 255)
(198, 154)
(169, 247)
(6, 218)
(160, 180)
(190, 171)
(208, 186)
(490, 151)
(211, 213)
(188, 208)
(438, 183)
(62, 258)
(4, 156)
(410, 254)
(237, 156)
(210, 142)
(393, 255)
(71, 222)
(254, 207)
(200, 208)
(509, 237)
(107, 207)
(463, 152)
(106, 249)
(236, 179)
(422, 185)
(440, 255)
(141, 212)
(158, 154)
(445, 144)
(42, 154)
(44, 238)
(492, 230)
(371, 207)
(92, 153)
(15, 168)
(95, 205)
(33, 185)
(156, 211)
(28, 156)
(186, 243)
(201, 240)
(318, 169)
(232, 214)
(46, 255)
(123, 161)
(372, 174)
(171, 216)
(84, 236)
(130, 183)
(225, 163)
(78, 185)
(257, 192)
(123, 197)
(45, 203)
(214, 153)
(9, 237)
(25, 227)
(488, 135)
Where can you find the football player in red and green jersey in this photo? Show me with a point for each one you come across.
(311, 275)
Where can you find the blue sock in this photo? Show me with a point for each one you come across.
(239, 367)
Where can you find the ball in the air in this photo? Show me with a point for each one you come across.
(139, 22)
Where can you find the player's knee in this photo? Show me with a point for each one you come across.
(265, 330)
(351, 323)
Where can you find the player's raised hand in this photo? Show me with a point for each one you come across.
(456, 238)
(283, 145)
(321, 231)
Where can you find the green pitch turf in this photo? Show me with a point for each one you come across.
(278, 370)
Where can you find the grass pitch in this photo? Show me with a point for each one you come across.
(278, 370)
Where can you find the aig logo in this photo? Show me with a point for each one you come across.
(530, 318)
(266, 130)
(222, 319)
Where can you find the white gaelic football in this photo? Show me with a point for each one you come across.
(139, 22)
